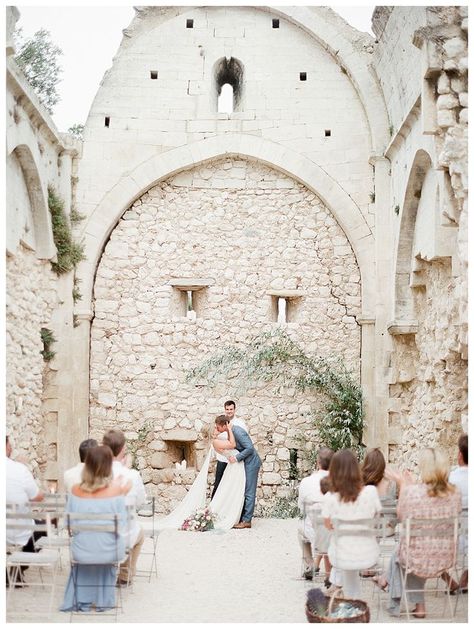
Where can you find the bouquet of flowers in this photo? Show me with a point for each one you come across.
(200, 520)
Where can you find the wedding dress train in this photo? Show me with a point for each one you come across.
(227, 503)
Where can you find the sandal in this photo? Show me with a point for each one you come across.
(381, 583)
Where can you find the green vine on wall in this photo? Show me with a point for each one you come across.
(69, 252)
(275, 357)
(47, 339)
(133, 445)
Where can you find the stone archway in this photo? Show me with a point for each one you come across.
(131, 186)
(134, 184)
(42, 239)
(254, 235)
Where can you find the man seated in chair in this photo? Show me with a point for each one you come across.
(115, 439)
(21, 488)
(309, 496)
(73, 476)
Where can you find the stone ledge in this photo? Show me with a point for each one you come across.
(398, 328)
(286, 293)
(191, 283)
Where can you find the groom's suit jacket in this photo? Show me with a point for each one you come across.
(247, 452)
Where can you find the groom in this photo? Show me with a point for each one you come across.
(252, 462)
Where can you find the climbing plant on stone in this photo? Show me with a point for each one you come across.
(275, 357)
(69, 252)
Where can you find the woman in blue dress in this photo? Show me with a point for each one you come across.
(91, 584)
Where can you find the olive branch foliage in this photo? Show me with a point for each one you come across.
(273, 356)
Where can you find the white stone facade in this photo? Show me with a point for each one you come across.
(341, 173)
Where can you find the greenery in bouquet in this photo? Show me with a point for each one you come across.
(200, 520)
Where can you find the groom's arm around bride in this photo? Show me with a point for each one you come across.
(252, 462)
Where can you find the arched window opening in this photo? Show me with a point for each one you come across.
(229, 73)
(225, 100)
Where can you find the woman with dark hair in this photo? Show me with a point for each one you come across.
(350, 500)
(91, 584)
(374, 473)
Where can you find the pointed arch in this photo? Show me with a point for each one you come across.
(134, 184)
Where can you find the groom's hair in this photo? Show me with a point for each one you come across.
(221, 420)
(229, 403)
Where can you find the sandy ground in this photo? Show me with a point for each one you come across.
(238, 576)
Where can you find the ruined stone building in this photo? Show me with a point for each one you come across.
(335, 185)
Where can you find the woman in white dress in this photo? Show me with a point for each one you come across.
(228, 500)
(349, 499)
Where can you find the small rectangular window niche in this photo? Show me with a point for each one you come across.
(303, 76)
(275, 23)
(107, 121)
(191, 296)
(327, 133)
(285, 305)
(153, 74)
(189, 23)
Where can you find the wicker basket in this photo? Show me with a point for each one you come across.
(364, 615)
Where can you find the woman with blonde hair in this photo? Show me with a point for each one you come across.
(433, 498)
(91, 584)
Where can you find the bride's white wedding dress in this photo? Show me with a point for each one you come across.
(227, 503)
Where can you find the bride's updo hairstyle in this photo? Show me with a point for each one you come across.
(221, 420)
(97, 471)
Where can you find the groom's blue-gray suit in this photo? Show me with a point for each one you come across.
(252, 462)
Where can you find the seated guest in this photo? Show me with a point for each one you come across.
(89, 582)
(21, 488)
(349, 499)
(136, 496)
(374, 473)
(73, 475)
(322, 536)
(458, 477)
(309, 496)
(433, 498)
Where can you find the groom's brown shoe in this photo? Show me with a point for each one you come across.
(243, 525)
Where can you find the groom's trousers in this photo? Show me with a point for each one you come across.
(251, 478)
(220, 469)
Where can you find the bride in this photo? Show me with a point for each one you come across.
(228, 500)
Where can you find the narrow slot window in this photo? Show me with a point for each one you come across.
(225, 100)
(275, 23)
(282, 310)
(293, 468)
(327, 133)
(189, 23)
(153, 74)
(303, 76)
(107, 121)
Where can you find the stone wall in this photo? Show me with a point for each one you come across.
(249, 230)
(30, 299)
(179, 107)
(37, 156)
(428, 364)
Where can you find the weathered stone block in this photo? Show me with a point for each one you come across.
(179, 434)
(160, 460)
(271, 478)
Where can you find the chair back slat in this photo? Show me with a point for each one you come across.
(93, 522)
